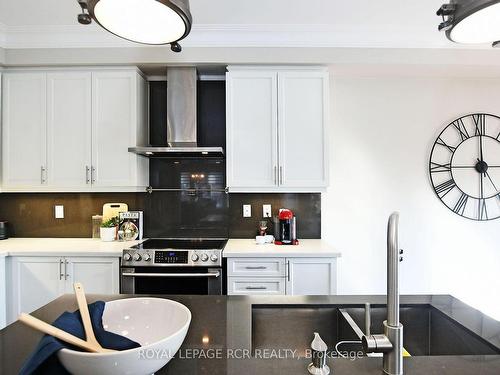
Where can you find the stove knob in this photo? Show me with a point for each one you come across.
(127, 257)
(204, 257)
(147, 257)
(137, 257)
(195, 257)
(214, 258)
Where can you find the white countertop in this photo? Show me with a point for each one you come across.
(306, 248)
(91, 247)
(62, 247)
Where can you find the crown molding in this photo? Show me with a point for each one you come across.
(227, 35)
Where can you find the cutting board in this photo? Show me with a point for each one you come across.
(110, 210)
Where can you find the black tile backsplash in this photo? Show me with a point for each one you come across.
(187, 214)
(306, 206)
(158, 113)
(199, 207)
(188, 173)
(210, 113)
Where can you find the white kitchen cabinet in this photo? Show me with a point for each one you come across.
(98, 275)
(70, 130)
(252, 130)
(279, 276)
(119, 121)
(36, 281)
(302, 119)
(33, 282)
(277, 122)
(24, 151)
(255, 286)
(266, 267)
(311, 276)
(3, 301)
(69, 140)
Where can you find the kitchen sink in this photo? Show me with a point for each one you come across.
(427, 331)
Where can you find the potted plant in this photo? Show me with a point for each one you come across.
(108, 229)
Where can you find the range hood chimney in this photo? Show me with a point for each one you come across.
(181, 119)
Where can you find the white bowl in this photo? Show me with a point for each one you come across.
(159, 325)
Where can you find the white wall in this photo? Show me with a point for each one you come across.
(382, 131)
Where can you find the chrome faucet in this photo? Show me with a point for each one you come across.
(390, 343)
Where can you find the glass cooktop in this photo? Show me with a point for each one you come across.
(182, 244)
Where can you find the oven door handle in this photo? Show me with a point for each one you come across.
(209, 274)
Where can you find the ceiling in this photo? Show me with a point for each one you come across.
(243, 23)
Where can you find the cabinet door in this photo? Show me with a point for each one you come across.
(302, 119)
(311, 276)
(114, 124)
(24, 130)
(69, 129)
(251, 129)
(3, 302)
(98, 275)
(33, 282)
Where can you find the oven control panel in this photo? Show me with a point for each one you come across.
(179, 258)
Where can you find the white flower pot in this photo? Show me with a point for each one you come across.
(108, 234)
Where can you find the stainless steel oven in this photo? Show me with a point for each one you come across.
(173, 266)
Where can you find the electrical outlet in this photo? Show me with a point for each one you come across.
(266, 210)
(247, 210)
(59, 212)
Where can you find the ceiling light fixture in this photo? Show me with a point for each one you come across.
(471, 21)
(142, 21)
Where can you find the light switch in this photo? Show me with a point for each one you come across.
(247, 210)
(59, 212)
(266, 210)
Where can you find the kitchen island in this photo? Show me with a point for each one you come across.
(226, 330)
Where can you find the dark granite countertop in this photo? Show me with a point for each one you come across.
(227, 323)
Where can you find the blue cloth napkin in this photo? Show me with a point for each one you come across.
(44, 359)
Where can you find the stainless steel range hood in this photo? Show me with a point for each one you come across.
(181, 120)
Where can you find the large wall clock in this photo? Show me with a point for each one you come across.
(464, 166)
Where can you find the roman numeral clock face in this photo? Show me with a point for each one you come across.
(465, 166)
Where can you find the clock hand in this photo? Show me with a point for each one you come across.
(473, 166)
(489, 178)
(481, 146)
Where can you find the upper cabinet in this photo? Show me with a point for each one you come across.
(69, 141)
(70, 131)
(24, 133)
(119, 121)
(277, 120)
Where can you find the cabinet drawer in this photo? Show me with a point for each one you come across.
(256, 267)
(263, 285)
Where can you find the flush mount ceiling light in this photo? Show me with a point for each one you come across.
(471, 21)
(142, 21)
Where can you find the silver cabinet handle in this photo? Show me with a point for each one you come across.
(275, 175)
(288, 270)
(209, 274)
(256, 288)
(61, 274)
(42, 174)
(281, 175)
(256, 268)
(87, 174)
(92, 174)
(66, 275)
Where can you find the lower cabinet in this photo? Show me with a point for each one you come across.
(2, 293)
(311, 276)
(36, 281)
(282, 276)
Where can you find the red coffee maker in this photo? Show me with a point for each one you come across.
(287, 228)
